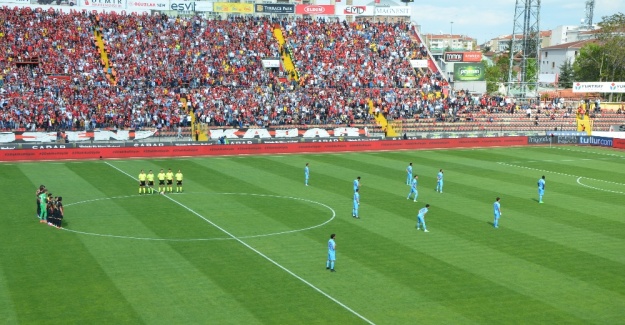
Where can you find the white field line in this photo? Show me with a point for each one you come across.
(203, 239)
(259, 253)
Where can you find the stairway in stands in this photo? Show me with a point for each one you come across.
(104, 58)
(286, 54)
(195, 126)
(382, 121)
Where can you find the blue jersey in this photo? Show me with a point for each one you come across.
(356, 184)
(497, 208)
(541, 184)
(409, 170)
(413, 183)
(306, 171)
(331, 246)
(356, 198)
(439, 177)
(422, 212)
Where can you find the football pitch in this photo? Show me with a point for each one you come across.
(246, 240)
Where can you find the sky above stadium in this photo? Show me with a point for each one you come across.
(486, 19)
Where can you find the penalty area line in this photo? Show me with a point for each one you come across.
(257, 252)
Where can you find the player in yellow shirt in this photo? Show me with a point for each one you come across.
(142, 177)
(170, 179)
(150, 178)
(178, 181)
(161, 180)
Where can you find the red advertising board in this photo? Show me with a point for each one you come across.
(254, 149)
(618, 143)
(314, 9)
(472, 56)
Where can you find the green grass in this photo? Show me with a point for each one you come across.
(246, 241)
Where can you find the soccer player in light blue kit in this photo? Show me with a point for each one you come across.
(357, 184)
(306, 174)
(421, 218)
(356, 204)
(413, 188)
(439, 181)
(331, 253)
(497, 211)
(409, 174)
(541, 189)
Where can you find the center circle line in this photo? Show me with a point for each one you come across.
(203, 239)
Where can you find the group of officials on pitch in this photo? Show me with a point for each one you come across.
(49, 208)
(146, 182)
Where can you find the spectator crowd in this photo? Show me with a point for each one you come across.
(164, 69)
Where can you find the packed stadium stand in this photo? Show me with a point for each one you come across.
(160, 72)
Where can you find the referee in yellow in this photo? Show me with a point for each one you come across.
(178, 181)
(142, 178)
(161, 180)
(150, 178)
(170, 180)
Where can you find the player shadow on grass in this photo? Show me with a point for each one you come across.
(535, 199)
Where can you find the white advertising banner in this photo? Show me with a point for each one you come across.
(354, 10)
(148, 5)
(393, 11)
(419, 63)
(599, 87)
(204, 6)
(181, 5)
(97, 4)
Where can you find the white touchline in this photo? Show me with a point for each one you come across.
(557, 173)
(258, 252)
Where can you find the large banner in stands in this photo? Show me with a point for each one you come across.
(74, 136)
(286, 133)
(314, 9)
(258, 149)
(599, 87)
(233, 8)
(274, 8)
(53, 3)
(65, 8)
(597, 141)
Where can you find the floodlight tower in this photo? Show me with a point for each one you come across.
(590, 8)
(524, 49)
